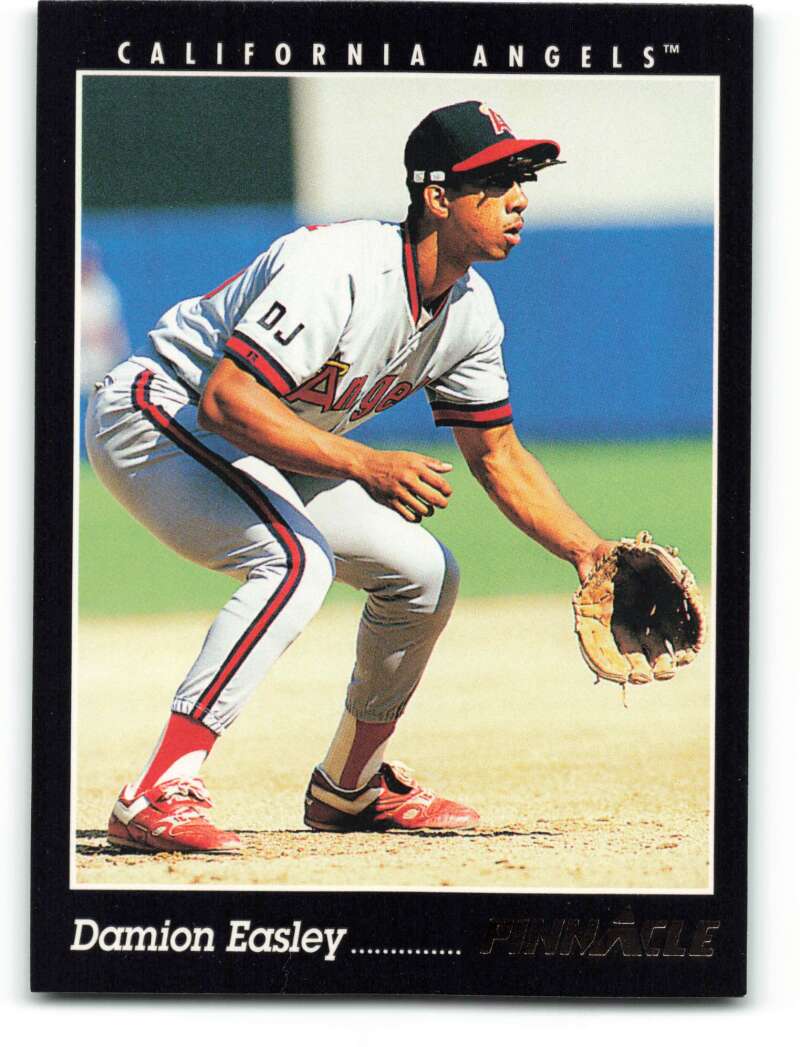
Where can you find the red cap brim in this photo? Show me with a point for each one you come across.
(509, 147)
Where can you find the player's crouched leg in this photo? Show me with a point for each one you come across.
(168, 809)
(264, 616)
(409, 602)
(410, 581)
(354, 789)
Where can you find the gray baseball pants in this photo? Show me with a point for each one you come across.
(285, 537)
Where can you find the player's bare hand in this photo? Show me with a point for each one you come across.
(411, 484)
(585, 564)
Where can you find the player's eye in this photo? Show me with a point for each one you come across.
(501, 182)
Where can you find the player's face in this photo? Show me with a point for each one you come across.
(486, 217)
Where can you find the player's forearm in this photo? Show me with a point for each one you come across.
(258, 423)
(520, 486)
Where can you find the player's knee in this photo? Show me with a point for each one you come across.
(434, 581)
(450, 581)
(317, 567)
(308, 560)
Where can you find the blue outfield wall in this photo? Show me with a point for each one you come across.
(609, 330)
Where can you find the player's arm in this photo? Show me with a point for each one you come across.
(519, 484)
(236, 406)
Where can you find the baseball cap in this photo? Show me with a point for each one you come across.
(471, 137)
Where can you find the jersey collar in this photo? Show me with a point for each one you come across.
(413, 287)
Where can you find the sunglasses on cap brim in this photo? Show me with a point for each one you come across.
(515, 169)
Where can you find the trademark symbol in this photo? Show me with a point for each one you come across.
(672, 49)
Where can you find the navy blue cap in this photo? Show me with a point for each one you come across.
(467, 137)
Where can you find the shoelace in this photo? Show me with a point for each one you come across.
(185, 814)
(406, 777)
(406, 773)
(191, 789)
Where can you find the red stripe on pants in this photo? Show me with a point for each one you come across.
(249, 491)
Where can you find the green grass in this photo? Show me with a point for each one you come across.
(619, 488)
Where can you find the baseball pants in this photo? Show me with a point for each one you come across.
(283, 536)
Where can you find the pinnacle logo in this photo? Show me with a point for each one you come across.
(623, 936)
(498, 123)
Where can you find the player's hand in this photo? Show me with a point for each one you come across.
(412, 484)
(584, 565)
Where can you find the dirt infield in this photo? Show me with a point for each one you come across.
(575, 790)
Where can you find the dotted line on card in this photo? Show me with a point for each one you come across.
(405, 952)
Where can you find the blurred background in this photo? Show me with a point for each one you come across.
(607, 302)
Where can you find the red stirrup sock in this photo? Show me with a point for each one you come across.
(180, 752)
(356, 751)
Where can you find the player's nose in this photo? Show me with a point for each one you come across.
(517, 200)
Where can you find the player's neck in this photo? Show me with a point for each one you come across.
(436, 270)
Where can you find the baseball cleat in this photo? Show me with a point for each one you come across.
(170, 816)
(394, 800)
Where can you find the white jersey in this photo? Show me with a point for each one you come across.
(330, 319)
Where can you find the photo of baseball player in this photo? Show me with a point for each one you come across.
(227, 436)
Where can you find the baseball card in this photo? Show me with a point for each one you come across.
(392, 422)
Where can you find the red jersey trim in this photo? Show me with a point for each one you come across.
(223, 285)
(257, 360)
(472, 416)
(410, 270)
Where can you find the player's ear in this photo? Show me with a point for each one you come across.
(436, 201)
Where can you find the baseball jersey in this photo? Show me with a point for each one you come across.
(331, 320)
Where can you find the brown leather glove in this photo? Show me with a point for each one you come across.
(639, 615)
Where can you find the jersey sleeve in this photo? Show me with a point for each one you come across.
(474, 393)
(295, 323)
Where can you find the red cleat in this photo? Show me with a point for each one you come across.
(396, 801)
(170, 816)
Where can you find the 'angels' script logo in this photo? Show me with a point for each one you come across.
(323, 390)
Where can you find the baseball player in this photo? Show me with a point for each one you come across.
(227, 438)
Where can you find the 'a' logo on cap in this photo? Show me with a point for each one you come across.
(498, 123)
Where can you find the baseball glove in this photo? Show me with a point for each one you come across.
(639, 615)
